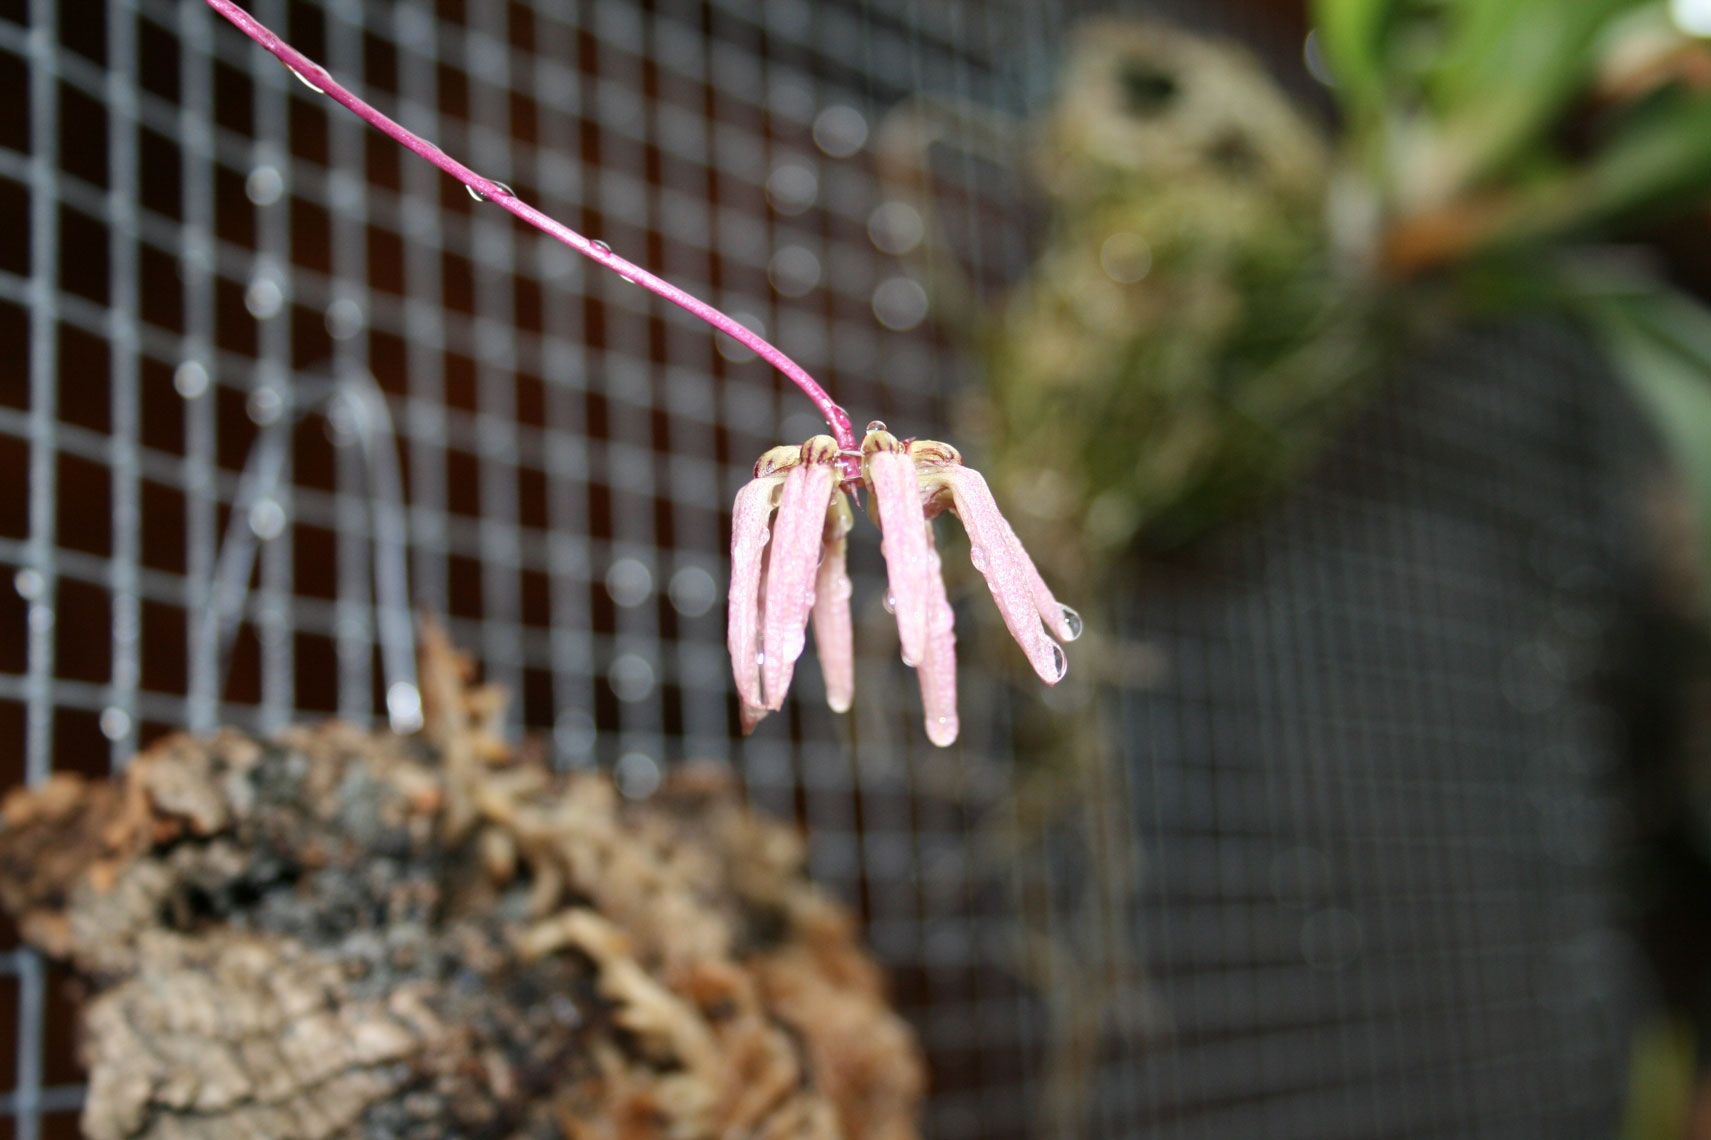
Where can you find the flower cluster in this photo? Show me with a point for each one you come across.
(790, 523)
(789, 532)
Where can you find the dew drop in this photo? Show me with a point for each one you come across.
(842, 588)
(693, 591)
(876, 425)
(304, 79)
(604, 248)
(267, 519)
(474, 193)
(840, 130)
(631, 678)
(900, 303)
(265, 405)
(115, 722)
(760, 657)
(190, 379)
(908, 660)
(1060, 661)
(264, 298)
(264, 185)
(1072, 622)
(28, 583)
(637, 775)
(504, 190)
(890, 602)
(629, 582)
(808, 598)
(896, 227)
(404, 706)
(574, 734)
(977, 557)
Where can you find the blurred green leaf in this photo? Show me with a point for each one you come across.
(1660, 1080)
(1660, 344)
(1660, 157)
(1507, 68)
(1657, 161)
(1352, 36)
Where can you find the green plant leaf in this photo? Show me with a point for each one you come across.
(1657, 159)
(1660, 1080)
(1505, 72)
(1351, 33)
(1660, 345)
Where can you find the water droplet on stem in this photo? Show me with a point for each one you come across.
(604, 248)
(1072, 622)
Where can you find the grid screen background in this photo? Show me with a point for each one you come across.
(1359, 769)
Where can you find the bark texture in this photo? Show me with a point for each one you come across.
(338, 935)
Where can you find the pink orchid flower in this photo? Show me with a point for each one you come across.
(782, 574)
(796, 569)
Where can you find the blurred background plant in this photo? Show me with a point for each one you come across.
(1492, 151)
(1220, 281)
(1176, 344)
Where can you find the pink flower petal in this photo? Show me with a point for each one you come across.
(911, 566)
(751, 715)
(742, 630)
(748, 547)
(938, 668)
(797, 533)
(832, 634)
(1022, 595)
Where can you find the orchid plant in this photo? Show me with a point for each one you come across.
(791, 521)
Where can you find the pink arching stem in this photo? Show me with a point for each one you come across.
(317, 76)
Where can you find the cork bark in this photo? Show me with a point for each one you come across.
(337, 935)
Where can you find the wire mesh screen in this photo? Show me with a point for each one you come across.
(1377, 785)
(1363, 884)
